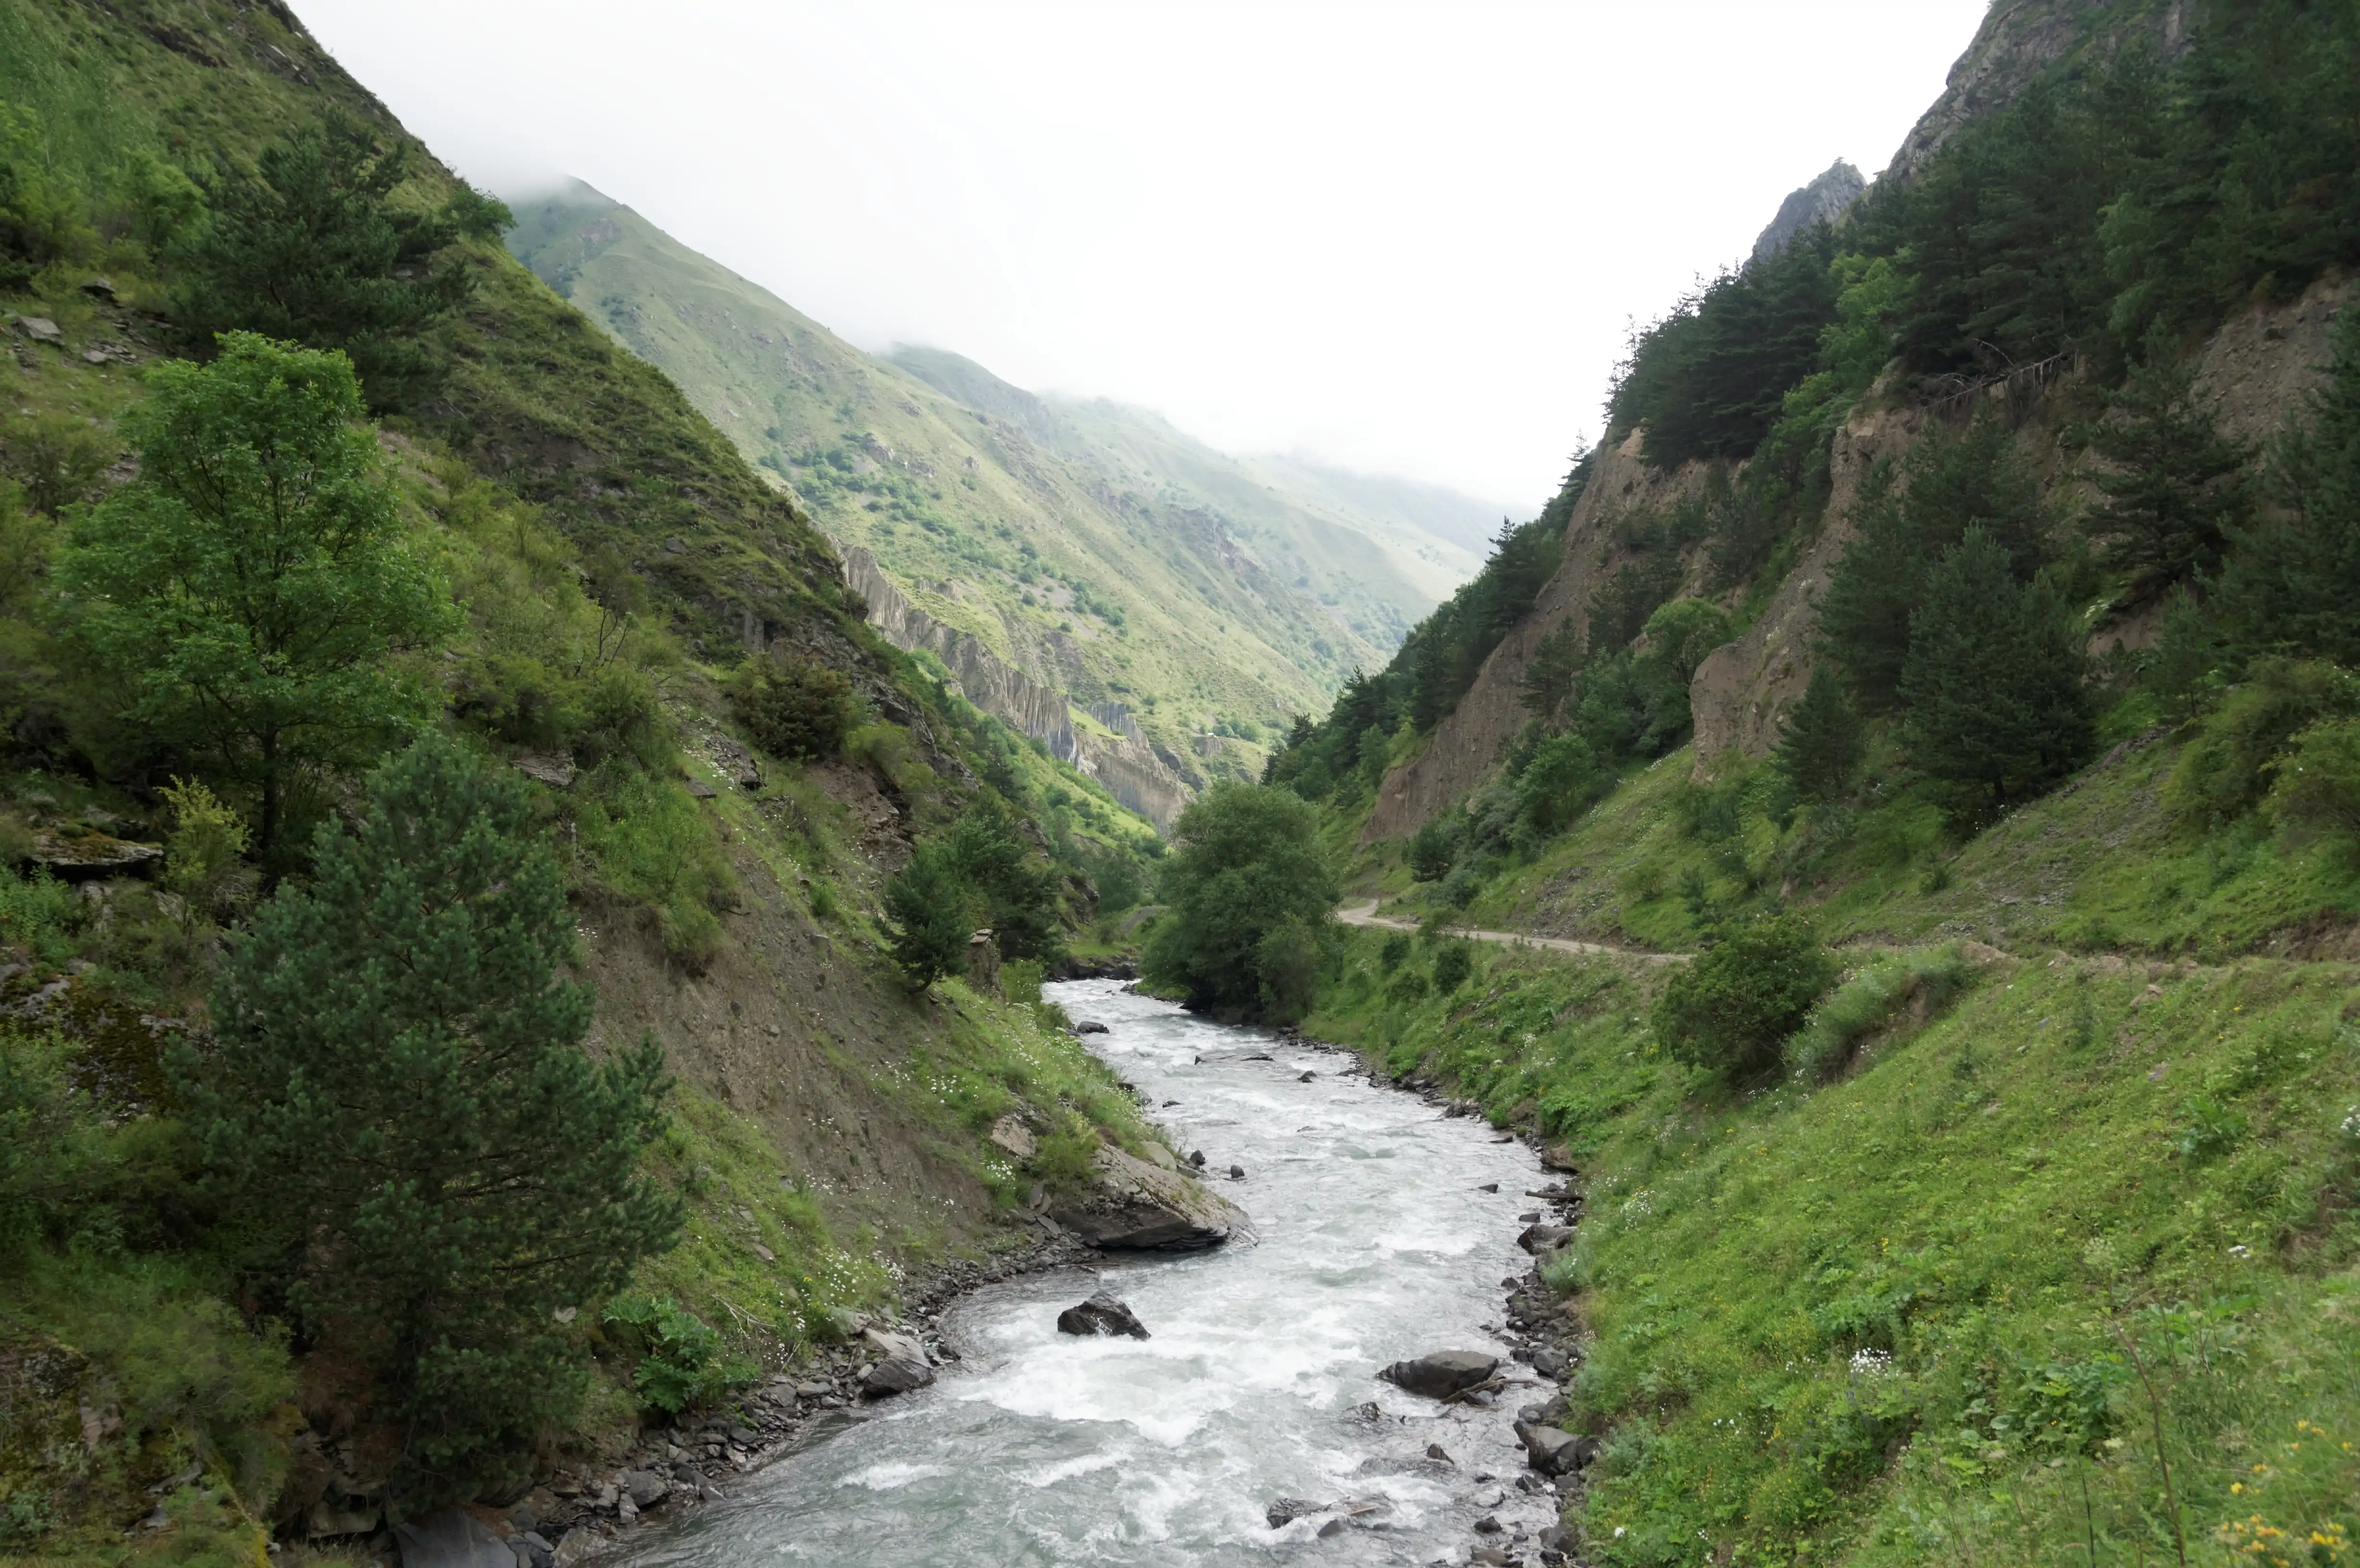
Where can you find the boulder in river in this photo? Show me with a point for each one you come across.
(1132, 1206)
(1090, 1025)
(1285, 1511)
(902, 1366)
(1442, 1374)
(1103, 1313)
(1537, 1239)
(1552, 1451)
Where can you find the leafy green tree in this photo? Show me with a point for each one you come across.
(1994, 705)
(932, 912)
(1824, 741)
(1682, 634)
(1435, 845)
(1558, 783)
(399, 1112)
(315, 247)
(2174, 486)
(1015, 889)
(2287, 587)
(249, 586)
(1247, 863)
(1732, 1008)
(1452, 963)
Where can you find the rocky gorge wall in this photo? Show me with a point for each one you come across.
(1127, 765)
(2258, 367)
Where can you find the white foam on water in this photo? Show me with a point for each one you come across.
(891, 1474)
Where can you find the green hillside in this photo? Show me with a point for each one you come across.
(1092, 548)
(1944, 688)
(414, 654)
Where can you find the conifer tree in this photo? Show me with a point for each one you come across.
(401, 1114)
(2288, 585)
(932, 912)
(314, 246)
(1824, 743)
(1994, 703)
(2174, 486)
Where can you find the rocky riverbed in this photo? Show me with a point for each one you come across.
(1251, 1421)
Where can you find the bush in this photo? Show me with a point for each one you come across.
(681, 1360)
(649, 843)
(57, 458)
(1732, 1008)
(1452, 965)
(2225, 770)
(1435, 845)
(794, 708)
(1559, 782)
(2316, 785)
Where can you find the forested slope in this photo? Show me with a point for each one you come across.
(1949, 650)
(409, 695)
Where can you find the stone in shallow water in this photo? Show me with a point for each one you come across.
(1103, 1313)
(1441, 1374)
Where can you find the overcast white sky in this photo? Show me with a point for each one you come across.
(1405, 238)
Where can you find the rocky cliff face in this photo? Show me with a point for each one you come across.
(1469, 740)
(2017, 40)
(2257, 366)
(1822, 201)
(1128, 766)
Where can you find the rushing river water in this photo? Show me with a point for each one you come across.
(1376, 1243)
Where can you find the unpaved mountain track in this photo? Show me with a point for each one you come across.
(1366, 915)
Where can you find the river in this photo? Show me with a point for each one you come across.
(1376, 1243)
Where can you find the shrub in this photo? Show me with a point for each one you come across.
(1435, 845)
(649, 843)
(796, 708)
(681, 1360)
(1733, 1007)
(57, 458)
(1452, 965)
(201, 857)
(2225, 770)
(1393, 952)
(1559, 782)
(2316, 784)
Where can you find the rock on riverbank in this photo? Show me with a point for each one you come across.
(1137, 1205)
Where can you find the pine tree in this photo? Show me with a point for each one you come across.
(2174, 486)
(932, 912)
(2288, 585)
(1974, 480)
(1994, 709)
(313, 247)
(399, 1112)
(1824, 743)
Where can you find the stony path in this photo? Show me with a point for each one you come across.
(1366, 915)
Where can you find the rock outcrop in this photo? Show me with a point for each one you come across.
(1135, 1205)
(1824, 200)
(1469, 739)
(1126, 764)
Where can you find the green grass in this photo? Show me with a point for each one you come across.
(1892, 1318)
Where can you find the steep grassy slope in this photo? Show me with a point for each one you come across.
(1093, 549)
(828, 1125)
